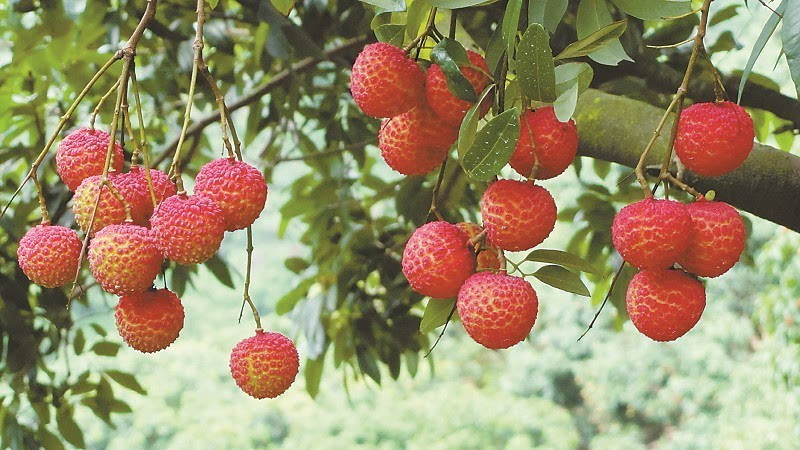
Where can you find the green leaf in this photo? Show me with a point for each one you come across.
(567, 73)
(68, 428)
(511, 25)
(561, 258)
(220, 270)
(653, 9)
(535, 67)
(313, 374)
(283, 6)
(391, 33)
(296, 264)
(418, 12)
(126, 380)
(493, 146)
(388, 5)
(594, 41)
(723, 14)
(456, 4)
(213, 3)
(547, 12)
(449, 55)
(412, 362)
(105, 348)
(48, 440)
(761, 42)
(565, 104)
(98, 329)
(593, 15)
(563, 279)
(469, 126)
(78, 342)
(288, 301)
(495, 49)
(367, 364)
(436, 312)
(790, 35)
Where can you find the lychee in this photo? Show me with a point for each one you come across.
(447, 106)
(555, 144)
(188, 228)
(665, 304)
(124, 258)
(489, 255)
(716, 240)
(652, 234)
(517, 215)
(237, 187)
(385, 82)
(149, 321)
(109, 210)
(133, 187)
(714, 138)
(437, 259)
(265, 365)
(416, 142)
(49, 255)
(497, 310)
(82, 154)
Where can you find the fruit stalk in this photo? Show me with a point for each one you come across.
(142, 135)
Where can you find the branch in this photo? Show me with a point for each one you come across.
(614, 128)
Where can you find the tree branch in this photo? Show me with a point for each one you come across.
(614, 128)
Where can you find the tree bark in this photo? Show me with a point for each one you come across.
(616, 129)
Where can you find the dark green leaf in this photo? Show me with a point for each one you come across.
(48, 440)
(790, 35)
(761, 42)
(78, 342)
(563, 279)
(288, 301)
(68, 428)
(723, 14)
(449, 55)
(593, 15)
(547, 12)
(594, 41)
(98, 329)
(105, 348)
(561, 258)
(313, 374)
(220, 270)
(469, 126)
(391, 33)
(535, 68)
(495, 49)
(388, 5)
(511, 25)
(368, 365)
(455, 4)
(296, 265)
(436, 312)
(654, 9)
(493, 146)
(126, 380)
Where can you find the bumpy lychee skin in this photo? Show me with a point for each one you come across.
(716, 241)
(133, 186)
(109, 211)
(714, 138)
(665, 304)
(437, 259)
(652, 234)
(124, 258)
(447, 106)
(238, 188)
(49, 255)
(517, 215)
(488, 257)
(416, 142)
(188, 228)
(385, 82)
(265, 365)
(149, 321)
(497, 310)
(82, 154)
(555, 144)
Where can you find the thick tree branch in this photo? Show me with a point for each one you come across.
(614, 128)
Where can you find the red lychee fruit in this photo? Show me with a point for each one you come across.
(416, 142)
(265, 365)
(517, 215)
(238, 188)
(49, 255)
(488, 257)
(188, 228)
(385, 82)
(82, 154)
(133, 187)
(716, 240)
(555, 144)
(124, 258)
(447, 106)
(437, 259)
(665, 304)
(714, 138)
(497, 310)
(652, 234)
(109, 211)
(149, 321)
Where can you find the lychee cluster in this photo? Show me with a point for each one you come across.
(705, 238)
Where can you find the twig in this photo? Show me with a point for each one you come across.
(102, 101)
(434, 199)
(449, 316)
(605, 300)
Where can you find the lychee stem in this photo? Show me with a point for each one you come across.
(435, 197)
(42, 203)
(142, 135)
(223, 117)
(674, 180)
(102, 101)
(420, 40)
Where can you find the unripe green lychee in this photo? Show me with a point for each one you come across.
(517, 215)
(652, 234)
(437, 259)
(49, 255)
(265, 365)
(665, 304)
(149, 321)
(124, 259)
